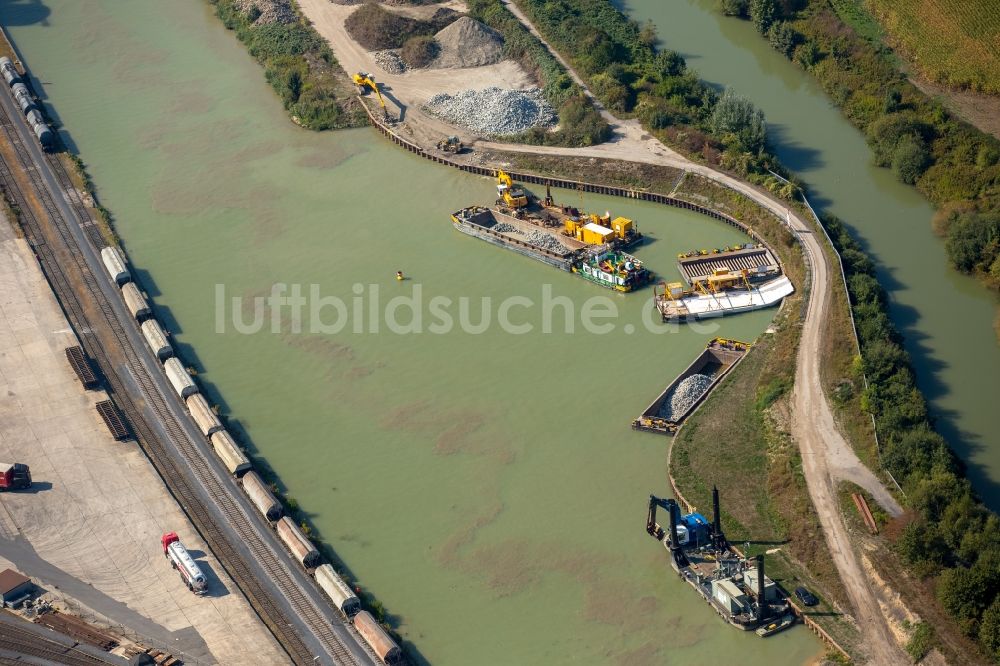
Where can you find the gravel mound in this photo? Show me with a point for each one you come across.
(493, 111)
(468, 43)
(390, 62)
(504, 228)
(271, 11)
(683, 396)
(546, 242)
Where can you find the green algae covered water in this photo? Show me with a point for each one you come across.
(479, 479)
(947, 318)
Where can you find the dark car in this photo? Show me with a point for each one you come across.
(806, 597)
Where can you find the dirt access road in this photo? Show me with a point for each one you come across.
(827, 458)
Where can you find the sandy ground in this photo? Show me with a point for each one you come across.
(89, 530)
(405, 93)
(982, 111)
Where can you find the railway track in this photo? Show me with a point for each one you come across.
(178, 480)
(24, 642)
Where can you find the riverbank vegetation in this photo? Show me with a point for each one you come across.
(580, 124)
(623, 68)
(298, 64)
(956, 166)
(947, 536)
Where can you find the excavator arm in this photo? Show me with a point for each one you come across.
(652, 527)
(363, 80)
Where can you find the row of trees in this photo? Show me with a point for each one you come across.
(633, 78)
(952, 163)
(952, 537)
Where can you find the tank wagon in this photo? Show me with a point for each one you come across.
(114, 262)
(9, 72)
(179, 378)
(339, 592)
(260, 495)
(302, 548)
(181, 560)
(22, 97)
(225, 447)
(135, 301)
(25, 100)
(156, 338)
(203, 416)
(377, 638)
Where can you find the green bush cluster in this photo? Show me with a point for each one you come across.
(948, 160)
(632, 78)
(953, 537)
(298, 64)
(580, 124)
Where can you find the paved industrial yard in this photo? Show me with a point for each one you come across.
(91, 526)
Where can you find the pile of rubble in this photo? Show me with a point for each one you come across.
(683, 396)
(268, 11)
(389, 61)
(493, 111)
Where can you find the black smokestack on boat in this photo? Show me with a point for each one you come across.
(761, 604)
(716, 519)
(674, 544)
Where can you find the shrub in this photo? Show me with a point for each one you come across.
(763, 13)
(783, 38)
(910, 159)
(419, 51)
(736, 116)
(735, 7)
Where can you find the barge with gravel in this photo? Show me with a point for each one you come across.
(603, 264)
(690, 388)
(736, 587)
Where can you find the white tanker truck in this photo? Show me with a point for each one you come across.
(181, 560)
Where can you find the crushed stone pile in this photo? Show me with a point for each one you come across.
(504, 228)
(389, 61)
(683, 396)
(493, 111)
(468, 43)
(270, 11)
(546, 242)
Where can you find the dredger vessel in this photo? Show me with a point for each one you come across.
(588, 245)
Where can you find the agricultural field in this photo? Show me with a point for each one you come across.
(953, 42)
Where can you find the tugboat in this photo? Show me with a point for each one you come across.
(613, 269)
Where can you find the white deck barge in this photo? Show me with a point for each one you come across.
(731, 301)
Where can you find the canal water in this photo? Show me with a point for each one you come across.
(947, 318)
(480, 481)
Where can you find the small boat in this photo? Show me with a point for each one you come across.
(776, 626)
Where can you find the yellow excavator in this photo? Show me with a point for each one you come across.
(364, 81)
(509, 193)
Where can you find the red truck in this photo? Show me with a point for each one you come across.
(14, 476)
(181, 560)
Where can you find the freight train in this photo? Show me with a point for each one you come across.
(343, 598)
(24, 98)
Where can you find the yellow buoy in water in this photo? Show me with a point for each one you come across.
(399, 276)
